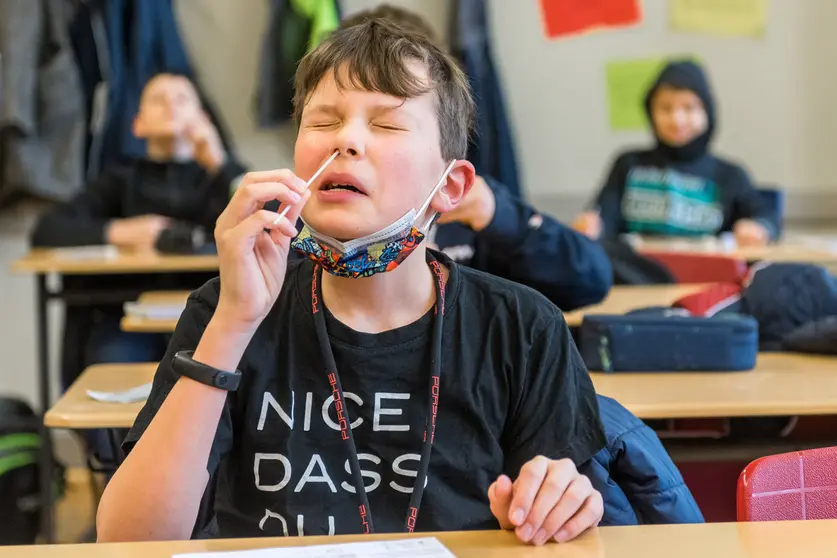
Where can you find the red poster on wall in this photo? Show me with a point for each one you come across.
(570, 17)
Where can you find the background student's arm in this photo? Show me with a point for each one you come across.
(84, 220)
(749, 205)
(536, 250)
(609, 199)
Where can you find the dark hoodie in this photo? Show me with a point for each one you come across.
(680, 191)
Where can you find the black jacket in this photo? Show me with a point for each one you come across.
(182, 191)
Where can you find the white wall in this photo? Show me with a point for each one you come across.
(775, 93)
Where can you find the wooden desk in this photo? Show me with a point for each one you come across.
(75, 410)
(148, 325)
(50, 261)
(787, 251)
(808, 539)
(623, 299)
(781, 384)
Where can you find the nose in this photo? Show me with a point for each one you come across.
(680, 118)
(350, 140)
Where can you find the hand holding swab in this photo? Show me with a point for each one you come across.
(308, 184)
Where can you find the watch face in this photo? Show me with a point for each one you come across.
(222, 380)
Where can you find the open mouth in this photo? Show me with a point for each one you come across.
(329, 186)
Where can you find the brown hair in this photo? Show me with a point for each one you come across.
(375, 55)
(405, 19)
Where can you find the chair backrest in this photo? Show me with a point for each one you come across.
(790, 486)
(700, 268)
(775, 200)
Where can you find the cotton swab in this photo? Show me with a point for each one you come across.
(308, 184)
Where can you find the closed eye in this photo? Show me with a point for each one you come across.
(321, 125)
(390, 127)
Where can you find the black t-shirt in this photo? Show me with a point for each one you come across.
(512, 387)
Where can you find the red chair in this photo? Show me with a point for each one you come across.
(789, 486)
(700, 268)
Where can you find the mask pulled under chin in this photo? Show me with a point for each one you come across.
(378, 252)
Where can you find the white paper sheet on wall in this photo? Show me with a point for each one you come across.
(409, 548)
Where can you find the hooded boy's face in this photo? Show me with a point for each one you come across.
(679, 116)
(390, 158)
(168, 106)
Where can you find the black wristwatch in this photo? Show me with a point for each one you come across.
(184, 365)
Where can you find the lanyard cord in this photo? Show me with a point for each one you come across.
(364, 511)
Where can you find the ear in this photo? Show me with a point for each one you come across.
(138, 128)
(459, 182)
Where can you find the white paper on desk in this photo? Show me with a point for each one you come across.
(408, 548)
(132, 395)
(153, 311)
(105, 252)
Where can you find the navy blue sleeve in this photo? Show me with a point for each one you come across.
(747, 202)
(82, 221)
(609, 199)
(535, 250)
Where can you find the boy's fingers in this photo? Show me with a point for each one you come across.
(526, 487)
(253, 226)
(251, 196)
(500, 497)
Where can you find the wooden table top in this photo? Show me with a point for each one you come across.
(792, 250)
(805, 539)
(76, 410)
(52, 261)
(623, 298)
(144, 324)
(781, 384)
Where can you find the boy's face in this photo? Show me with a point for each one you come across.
(168, 106)
(679, 116)
(390, 157)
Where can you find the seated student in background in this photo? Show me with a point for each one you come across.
(383, 387)
(185, 179)
(186, 176)
(495, 232)
(679, 188)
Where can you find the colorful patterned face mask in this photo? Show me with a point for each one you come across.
(378, 252)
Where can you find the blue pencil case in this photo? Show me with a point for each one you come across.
(661, 342)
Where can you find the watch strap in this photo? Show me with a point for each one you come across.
(184, 365)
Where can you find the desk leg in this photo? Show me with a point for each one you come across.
(115, 447)
(47, 527)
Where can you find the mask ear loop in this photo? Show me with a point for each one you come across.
(436, 188)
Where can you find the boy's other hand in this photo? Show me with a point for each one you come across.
(589, 224)
(476, 210)
(136, 233)
(208, 148)
(253, 247)
(750, 233)
(550, 500)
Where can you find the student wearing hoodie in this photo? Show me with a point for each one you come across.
(494, 231)
(679, 188)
